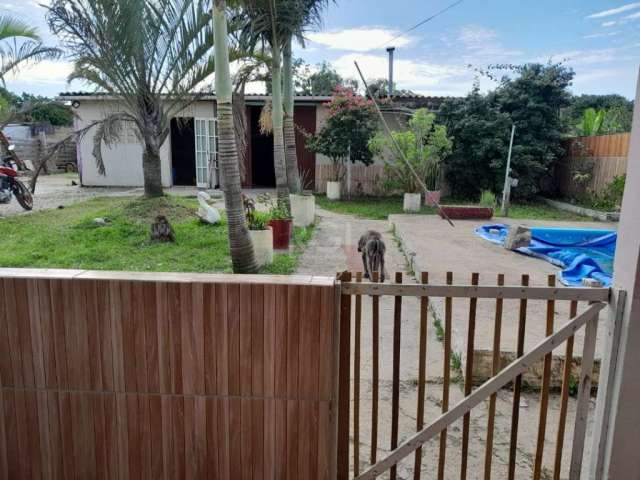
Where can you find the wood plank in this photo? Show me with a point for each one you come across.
(269, 340)
(258, 438)
(92, 332)
(105, 326)
(200, 437)
(495, 368)
(116, 338)
(190, 454)
(584, 397)
(156, 423)
(375, 370)
(129, 349)
(24, 328)
(344, 340)
(6, 362)
(55, 434)
(544, 392)
(257, 340)
(422, 373)
(293, 439)
(11, 432)
(25, 460)
(281, 341)
(517, 384)
(246, 437)
(35, 326)
(13, 335)
(210, 338)
(233, 325)
(245, 340)
(179, 452)
(269, 437)
(513, 370)
(213, 467)
(293, 340)
(356, 379)
(167, 436)
(33, 433)
(188, 336)
(163, 327)
(395, 387)
(222, 341)
(446, 374)
(4, 463)
(327, 370)
(506, 292)
(468, 376)
(151, 336)
(43, 434)
(235, 438)
(198, 337)
(123, 436)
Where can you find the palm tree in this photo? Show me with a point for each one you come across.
(267, 26)
(153, 56)
(304, 13)
(20, 44)
(242, 255)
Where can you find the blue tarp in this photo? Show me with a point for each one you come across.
(581, 253)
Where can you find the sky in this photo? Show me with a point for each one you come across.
(599, 39)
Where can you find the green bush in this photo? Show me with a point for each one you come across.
(488, 199)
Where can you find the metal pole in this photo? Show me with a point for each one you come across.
(506, 191)
(390, 88)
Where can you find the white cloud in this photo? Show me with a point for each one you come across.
(633, 16)
(418, 75)
(602, 35)
(359, 39)
(483, 44)
(609, 24)
(45, 72)
(615, 11)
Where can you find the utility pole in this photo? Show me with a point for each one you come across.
(390, 50)
(506, 191)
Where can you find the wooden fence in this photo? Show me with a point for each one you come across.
(407, 444)
(601, 157)
(365, 180)
(122, 375)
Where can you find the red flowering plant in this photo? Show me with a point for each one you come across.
(350, 125)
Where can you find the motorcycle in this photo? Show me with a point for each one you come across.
(10, 185)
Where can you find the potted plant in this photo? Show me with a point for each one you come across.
(350, 125)
(279, 220)
(433, 182)
(303, 204)
(423, 146)
(260, 232)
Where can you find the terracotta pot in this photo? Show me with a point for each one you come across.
(262, 245)
(432, 197)
(282, 230)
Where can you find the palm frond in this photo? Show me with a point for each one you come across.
(11, 28)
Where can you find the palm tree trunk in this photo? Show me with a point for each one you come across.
(151, 169)
(242, 255)
(279, 162)
(291, 158)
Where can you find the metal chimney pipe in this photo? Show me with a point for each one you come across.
(390, 50)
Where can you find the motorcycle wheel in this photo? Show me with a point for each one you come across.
(22, 194)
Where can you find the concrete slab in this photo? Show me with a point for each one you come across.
(434, 246)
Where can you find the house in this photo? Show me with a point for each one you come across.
(193, 139)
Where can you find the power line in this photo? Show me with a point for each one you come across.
(437, 14)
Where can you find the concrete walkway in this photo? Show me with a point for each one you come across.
(334, 249)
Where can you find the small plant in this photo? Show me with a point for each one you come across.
(574, 383)
(277, 211)
(423, 147)
(255, 220)
(488, 199)
(437, 324)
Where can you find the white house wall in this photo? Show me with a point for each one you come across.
(123, 160)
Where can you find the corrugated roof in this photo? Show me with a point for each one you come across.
(206, 96)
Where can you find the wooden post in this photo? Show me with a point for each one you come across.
(344, 371)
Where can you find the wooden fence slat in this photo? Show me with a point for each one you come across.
(422, 373)
(544, 392)
(517, 384)
(564, 397)
(448, 319)
(375, 366)
(584, 397)
(395, 388)
(468, 377)
(356, 379)
(344, 383)
(495, 368)
(516, 368)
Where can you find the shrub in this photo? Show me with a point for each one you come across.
(423, 145)
(488, 199)
(349, 127)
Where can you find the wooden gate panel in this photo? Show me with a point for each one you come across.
(166, 376)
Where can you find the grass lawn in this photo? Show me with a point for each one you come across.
(68, 238)
(378, 208)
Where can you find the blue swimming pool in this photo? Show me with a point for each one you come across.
(581, 253)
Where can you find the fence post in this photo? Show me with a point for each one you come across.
(343, 373)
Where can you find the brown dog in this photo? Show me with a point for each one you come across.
(373, 249)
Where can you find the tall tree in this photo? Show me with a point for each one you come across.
(242, 254)
(152, 55)
(303, 14)
(20, 44)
